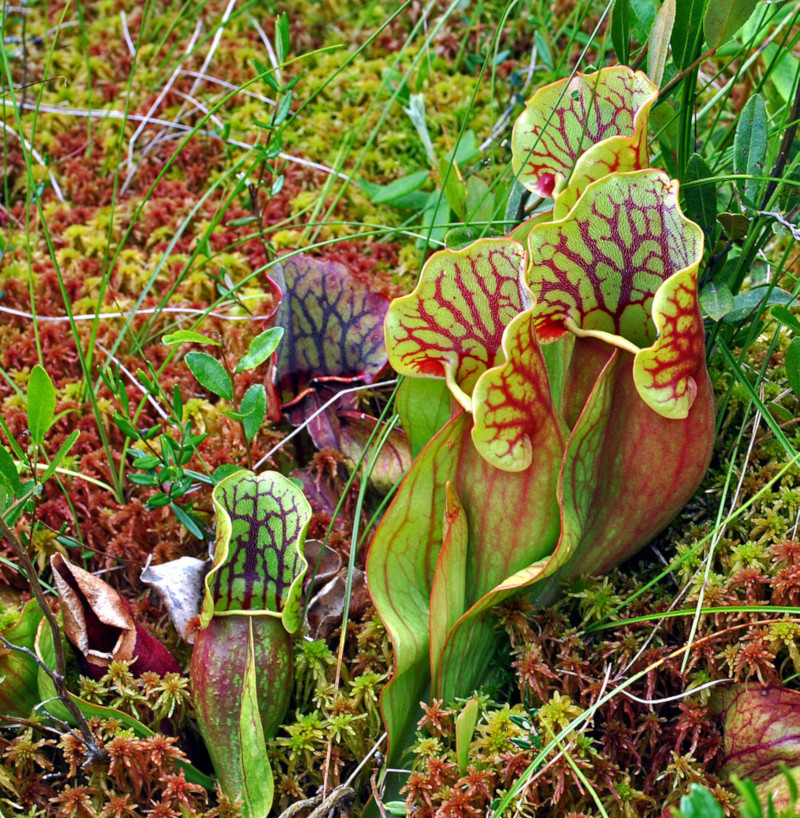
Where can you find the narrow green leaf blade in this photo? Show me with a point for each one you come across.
(41, 403)
(61, 454)
(659, 41)
(793, 365)
(688, 30)
(750, 146)
(787, 318)
(620, 30)
(186, 336)
(9, 473)
(465, 728)
(210, 373)
(724, 19)
(400, 187)
(261, 347)
(701, 199)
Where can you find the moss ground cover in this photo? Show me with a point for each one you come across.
(161, 166)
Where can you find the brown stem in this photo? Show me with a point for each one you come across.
(686, 71)
(783, 152)
(58, 675)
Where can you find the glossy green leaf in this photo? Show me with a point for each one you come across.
(254, 409)
(642, 15)
(620, 30)
(750, 147)
(261, 347)
(186, 336)
(465, 729)
(399, 188)
(687, 33)
(125, 426)
(658, 50)
(282, 36)
(724, 19)
(793, 365)
(716, 299)
(41, 404)
(18, 691)
(751, 303)
(210, 373)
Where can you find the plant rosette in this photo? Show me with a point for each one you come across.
(584, 421)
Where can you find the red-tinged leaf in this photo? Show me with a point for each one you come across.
(241, 684)
(98, 622)
(761, 734)
(649, 465)
(258, 558)
(665, 373)
(465, 728)
(407, 544)
(576, 131)
(393, 459)
(623, 268)
(511, 402)
(452, 324)
(449, 588)
(18, 693)
(333, 323)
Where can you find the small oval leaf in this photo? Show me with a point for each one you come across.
(41, 403)
(185, 336)
(210, 373)
(254, 409)
(261, 347)
(716, 299)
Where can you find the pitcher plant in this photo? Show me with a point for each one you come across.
(583, 413)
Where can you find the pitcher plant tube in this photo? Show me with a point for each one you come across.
(583, 422)
(242, 658)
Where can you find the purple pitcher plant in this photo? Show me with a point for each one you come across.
(242, 658)
(583, 413)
